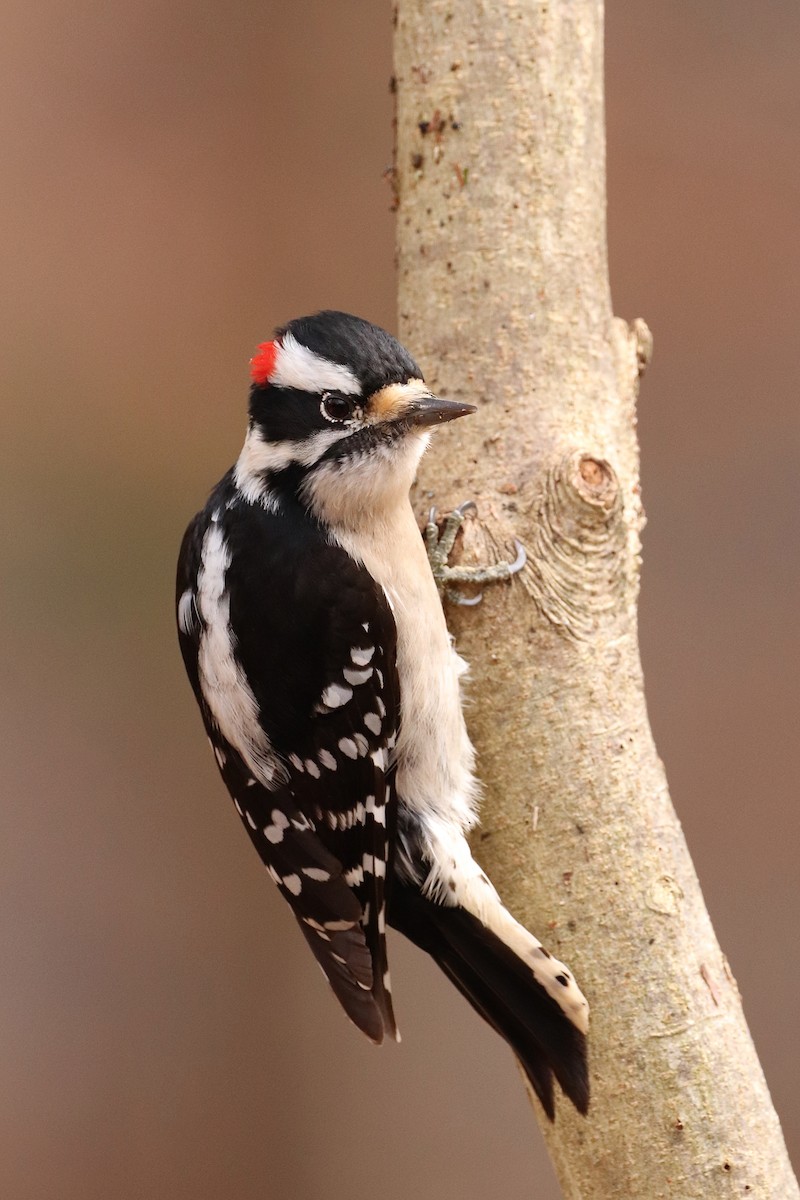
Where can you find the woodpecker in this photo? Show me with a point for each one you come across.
(316, 645)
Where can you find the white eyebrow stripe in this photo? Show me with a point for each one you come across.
(298, 367)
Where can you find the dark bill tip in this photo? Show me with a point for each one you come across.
(431, 410)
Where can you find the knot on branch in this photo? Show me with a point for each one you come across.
(644, 344)
(576, 561)
(633, 350)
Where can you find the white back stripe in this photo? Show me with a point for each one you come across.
(186, 612)
(224, 685)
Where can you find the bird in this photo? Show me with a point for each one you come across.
(317, 648)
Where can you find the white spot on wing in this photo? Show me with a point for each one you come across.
(348, 747)
(312, 768)
(357, 677)
(373, 723)
(327, 760)
(274, 832)
(376, 811)
(348, 818)
(292, 884)
(335, 695)
(317, 874)
(362, 657)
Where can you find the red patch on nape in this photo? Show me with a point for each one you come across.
(262, 364)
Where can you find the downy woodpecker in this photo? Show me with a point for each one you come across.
(316, 645)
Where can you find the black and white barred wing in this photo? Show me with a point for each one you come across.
(333, 883)
(302, 720)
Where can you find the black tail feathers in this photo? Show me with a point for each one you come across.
(357, 974)
(501, 987)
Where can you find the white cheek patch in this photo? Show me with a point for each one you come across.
(298, 367)
(259, 458)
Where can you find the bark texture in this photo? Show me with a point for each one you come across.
(504, 299)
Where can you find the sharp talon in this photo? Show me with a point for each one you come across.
(463, 601)
(439, 546)
(467, 506)
(520, 560)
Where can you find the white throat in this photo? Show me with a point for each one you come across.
(364, 490)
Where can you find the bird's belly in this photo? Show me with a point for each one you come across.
(434, 755)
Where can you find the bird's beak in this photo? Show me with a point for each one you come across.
(432, 410)
(412, 404)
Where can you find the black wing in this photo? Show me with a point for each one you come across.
(313, 656)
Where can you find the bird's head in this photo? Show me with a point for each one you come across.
(339, 416)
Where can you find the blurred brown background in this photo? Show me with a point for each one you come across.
(176, 180)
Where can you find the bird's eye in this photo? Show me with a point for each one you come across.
(335, 407)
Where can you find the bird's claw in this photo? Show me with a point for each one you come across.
(439, 547)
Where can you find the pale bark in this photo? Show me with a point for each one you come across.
(504, 299)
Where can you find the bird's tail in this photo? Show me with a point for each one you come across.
(511, 981)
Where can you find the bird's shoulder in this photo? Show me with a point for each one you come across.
(301, 612)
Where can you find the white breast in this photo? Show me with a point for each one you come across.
(434, 755)
(368, 512)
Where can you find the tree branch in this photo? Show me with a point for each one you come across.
(504, 297)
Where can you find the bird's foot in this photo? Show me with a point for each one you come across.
(439, 547)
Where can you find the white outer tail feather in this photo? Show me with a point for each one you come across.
(456, 879)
